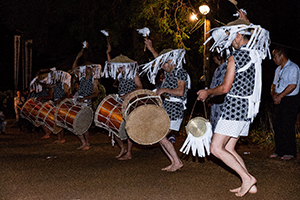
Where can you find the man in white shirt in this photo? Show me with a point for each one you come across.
(284, 91)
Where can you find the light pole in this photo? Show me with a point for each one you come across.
(204, 10)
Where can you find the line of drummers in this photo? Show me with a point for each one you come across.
(134, 113)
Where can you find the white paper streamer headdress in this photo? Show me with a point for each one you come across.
(223, 37)
(50, 78)
(80, 71)
(44, 78)
(175, 55)
(111, 67)
(61, 76)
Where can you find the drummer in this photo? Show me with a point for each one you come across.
(124, 70)
(175, 86)
(88, 75)
(58, 90)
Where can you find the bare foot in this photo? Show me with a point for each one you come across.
(175, 167)
(45, 137)
(166, 168)
(125, 157)
(81, 147)
(59, 141)
(252, 190)
(122, 152)
(87, 147)
(246, 186)
(62, 141)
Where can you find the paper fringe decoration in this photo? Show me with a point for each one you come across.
(52, 78)
(198, 145)
(85, 44)
(111, 67)
(111, 70)
(105, 33)
(61, 76)
(151, 68)
(144, 31)
(80, 71)
(224, 35)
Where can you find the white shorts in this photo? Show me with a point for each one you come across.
(175, 124)
(232, 128)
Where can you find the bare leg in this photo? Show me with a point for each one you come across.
(166, 151)
(218, 149)
(230, 146)
(168, 154)
(47, 133)
(121, 145)
(84, 139)
(60, 137)
(87, 141)
(169, 149)
(127, 155)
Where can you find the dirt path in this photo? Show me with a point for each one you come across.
(36, 169)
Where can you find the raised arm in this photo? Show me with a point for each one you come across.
(150, 47)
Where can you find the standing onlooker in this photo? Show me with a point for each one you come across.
(19, 100)
(284, 91)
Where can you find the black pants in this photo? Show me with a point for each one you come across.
(284, 125)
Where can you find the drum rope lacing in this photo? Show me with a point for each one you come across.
(146, 97)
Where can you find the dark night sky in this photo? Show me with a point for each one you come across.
(281, 18)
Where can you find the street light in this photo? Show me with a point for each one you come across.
(204, 10)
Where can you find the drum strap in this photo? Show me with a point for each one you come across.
(205, 112)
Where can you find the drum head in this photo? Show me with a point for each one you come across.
(136, 95)
(83, 120)
(147, 124)
(196, 126)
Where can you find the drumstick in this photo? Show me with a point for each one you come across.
(164, 95)
(234, 2)
(145, 44)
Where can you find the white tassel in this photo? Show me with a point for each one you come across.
(144, 31)
(105, 33)
(198, 144)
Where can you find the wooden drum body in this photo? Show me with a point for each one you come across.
(73, 117)
(46, 117)
(109, 114)
(146, 121)
(30, 110)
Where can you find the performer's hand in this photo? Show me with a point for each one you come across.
(202, 95)
(160, 91)
(148, 43)
(243, 15)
